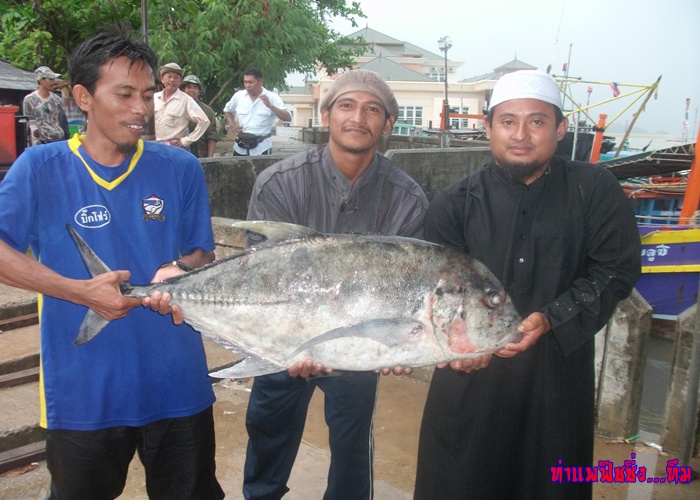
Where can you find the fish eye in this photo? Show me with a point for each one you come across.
(417, 329)
(493, 299)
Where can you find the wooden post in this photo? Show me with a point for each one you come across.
(598, 139)
(692, 192)
(445, 116)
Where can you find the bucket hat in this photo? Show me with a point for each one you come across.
(170, 68)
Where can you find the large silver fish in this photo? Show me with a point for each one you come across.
(349, 302)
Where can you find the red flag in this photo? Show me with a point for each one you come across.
(615, 89)
(566, 65)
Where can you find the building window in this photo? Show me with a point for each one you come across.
(438, 77)
(459, 123)
(411, 114)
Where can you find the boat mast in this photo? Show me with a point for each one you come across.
(565, 84)
(651, 90)
(684, 137)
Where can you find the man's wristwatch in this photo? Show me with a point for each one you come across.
(177, 263)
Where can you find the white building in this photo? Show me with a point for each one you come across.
(416, 77)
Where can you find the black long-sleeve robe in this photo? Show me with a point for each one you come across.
(566, 245)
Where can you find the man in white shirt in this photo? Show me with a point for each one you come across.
(174, 110)
(252, 111)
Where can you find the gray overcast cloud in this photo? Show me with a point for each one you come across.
(626, 41)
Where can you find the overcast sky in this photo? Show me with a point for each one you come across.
(626, 41)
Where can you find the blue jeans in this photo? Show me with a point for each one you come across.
(275, 421)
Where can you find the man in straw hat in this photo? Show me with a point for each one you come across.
(344, 186)
(174, 110)
(562, 238)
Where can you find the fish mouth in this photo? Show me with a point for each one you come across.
(512, 337)
(465, 348)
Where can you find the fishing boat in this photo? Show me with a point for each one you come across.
(670, 268)
(664, 186)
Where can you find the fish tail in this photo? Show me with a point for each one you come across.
(93, 323)
(94, 264)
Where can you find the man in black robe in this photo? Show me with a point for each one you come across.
(562, 238)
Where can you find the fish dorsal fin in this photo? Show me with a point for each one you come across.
(277, 231)
(389, 331)
(249, 367)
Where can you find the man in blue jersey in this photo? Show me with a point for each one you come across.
(142, 384)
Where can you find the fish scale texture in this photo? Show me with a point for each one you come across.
(349, 302)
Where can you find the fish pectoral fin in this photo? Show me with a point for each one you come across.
(276, 231)
(92, 324)
(390, 332)
(250, 367)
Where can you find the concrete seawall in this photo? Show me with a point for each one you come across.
(230, 179)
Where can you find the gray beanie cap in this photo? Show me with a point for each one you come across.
(362, 80)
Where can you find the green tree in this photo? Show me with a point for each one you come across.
(45, 32)
(215, 39)
(219, 39)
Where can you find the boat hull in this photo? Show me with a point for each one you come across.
(670, 269)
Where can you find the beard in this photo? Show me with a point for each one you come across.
(520, 172)
(126, 149)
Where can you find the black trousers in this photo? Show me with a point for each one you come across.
(177, 454)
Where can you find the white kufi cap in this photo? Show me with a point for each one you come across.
(526, 84)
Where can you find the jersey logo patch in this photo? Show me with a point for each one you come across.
(92, 216)
(153, 206)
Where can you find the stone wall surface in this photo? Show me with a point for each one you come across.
(621, 350)
(230, 182)
(230, 178)
(678, 392)
(434, 169)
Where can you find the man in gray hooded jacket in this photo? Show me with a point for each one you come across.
(344, 186)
